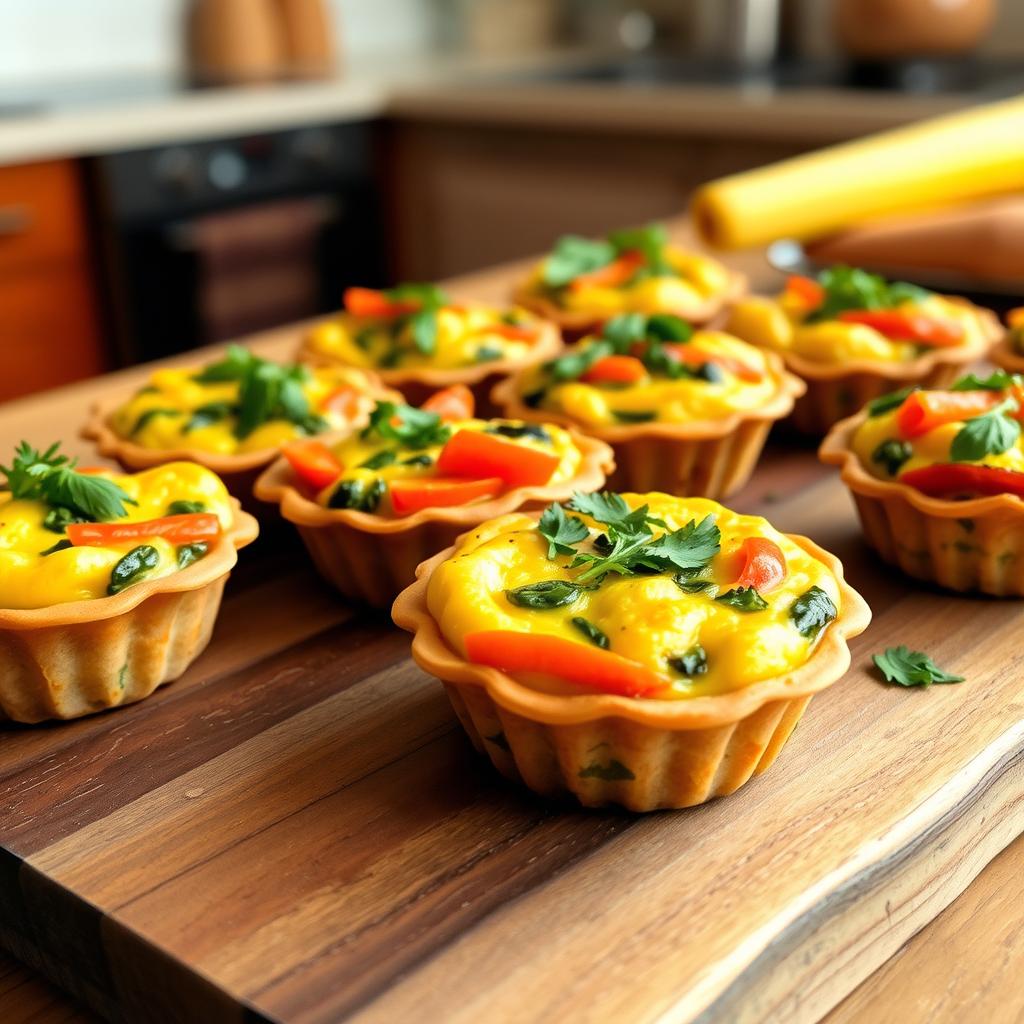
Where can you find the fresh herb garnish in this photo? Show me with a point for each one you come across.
(385, 457)
(812, 611)
(47, 476)
(149, 415)
(423, 325)
(905, 667)
(593, 633)
(693, 662)
(545, 594)
(892, 455)
(998, 380)
(189, 553)
(690, 584)
(743, 599)
(185, 508)
(885, 403)
(853, 288)
(132, 567)
(358, 494)
(572, 256)
(561, 531)
(207, 415)
(410, 427)
(58, 518)
(989, 434)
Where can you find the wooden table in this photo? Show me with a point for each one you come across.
(965, 958)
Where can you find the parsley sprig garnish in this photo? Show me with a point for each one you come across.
(992, 433)
(406, 425)
(629, 545)
(853, 288)
(905, 667)
(50, 477)
(574, 255)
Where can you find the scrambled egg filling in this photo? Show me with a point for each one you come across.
(177, 411)
(30, 578)
(466, 336)
(646, 618)
(389, 460)
(697, 278)
(662, 398)
(781, 324)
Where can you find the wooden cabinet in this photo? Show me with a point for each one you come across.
(468, 195)
(49, 330)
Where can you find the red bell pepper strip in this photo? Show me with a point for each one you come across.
(692, 355)
(408, 496)
(184, 529)
(905, 326)
(950, 479)
(471, 453)
(806, 290)
(345, 401)
(764, 564)
(514, 332)
(452, 404)
(923, 411)
(368, 302)
(619, 271)
(582, 664)
(615, 370)
(313, 463)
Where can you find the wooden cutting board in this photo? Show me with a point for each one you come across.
(298, 830)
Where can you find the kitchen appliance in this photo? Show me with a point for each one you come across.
(207, 240)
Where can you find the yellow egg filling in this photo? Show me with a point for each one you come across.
(647, 618)
(178, 409)
(734, 377)
(465, 336)
(31, 578)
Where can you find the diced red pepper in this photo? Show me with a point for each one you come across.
(183, 529)
(692, 355)
(616, 370)
(471, 453)
(906, 326)
(313, 463)
(764, 564)
(619, 271)
(806, 290)
(452, 404)
(955, 479)
(408, 496)
(345, 401)
(368, 302)
(514, 332)
(582, 664)
(923, 411)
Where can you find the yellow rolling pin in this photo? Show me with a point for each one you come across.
(947, 160)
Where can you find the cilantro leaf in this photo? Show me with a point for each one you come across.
(911, 668)
(572, 256)
(561, 531)
(604, 506)
(989, 434)
(812, 611)
(998, 380)
(410, 427)
(690, 547)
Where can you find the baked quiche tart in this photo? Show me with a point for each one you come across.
(938, 478)
(582, 282)
(686, 410)
(644, 650)
(418, 340)
(109, 584)
(232, 415)
(370, 505)
(853, 336)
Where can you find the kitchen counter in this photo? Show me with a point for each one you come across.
(534, 90)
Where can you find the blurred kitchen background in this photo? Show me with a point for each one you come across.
(175, 172)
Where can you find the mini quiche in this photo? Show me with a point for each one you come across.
(686, 411)
(644, 650)
(231, 416)
(109, 584)
(938, 478)
(371, 504)
(418, 340)
(1009, 353)
(853, 336)
(584, 282)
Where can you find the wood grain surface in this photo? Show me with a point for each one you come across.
(298, 830)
